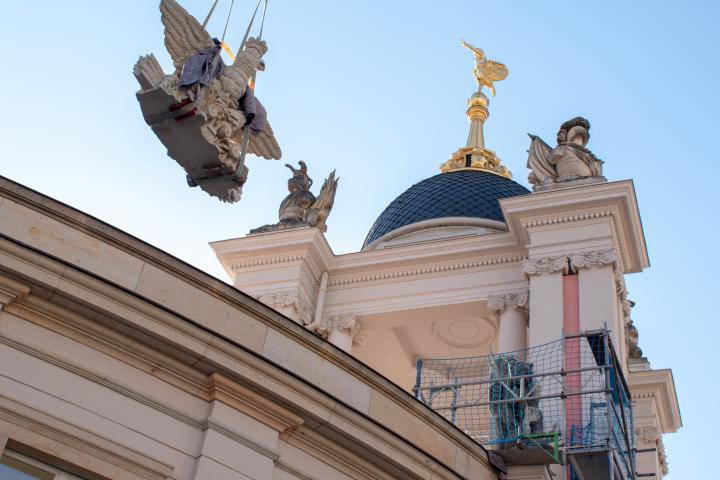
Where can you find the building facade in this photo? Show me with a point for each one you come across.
(483, 331)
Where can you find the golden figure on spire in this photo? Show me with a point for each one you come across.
(486, 71)
(474, 156)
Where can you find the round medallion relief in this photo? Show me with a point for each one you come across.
(464, 332)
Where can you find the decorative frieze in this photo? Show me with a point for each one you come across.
(593, 259)
(567, 219)
(235, 267)
(290, 303)
(545, 265)
(427, 270)
(499, 303)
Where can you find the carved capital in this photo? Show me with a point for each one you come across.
(344, 322)
(593, 259)
(290, 303)
(541, 266)
(499, 303)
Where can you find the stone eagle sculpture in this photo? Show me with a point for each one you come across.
(301, 208)
(201, 118)
(569, 161)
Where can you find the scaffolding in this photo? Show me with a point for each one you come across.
(564, 402)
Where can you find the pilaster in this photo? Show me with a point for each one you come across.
(546, 300)
(599, 303)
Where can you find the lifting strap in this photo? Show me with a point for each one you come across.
(212, 9)
(246, 130)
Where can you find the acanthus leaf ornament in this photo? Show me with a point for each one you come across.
(290, 303)
(499, 303)
(545, 265)
(593, 259)
(344, 322)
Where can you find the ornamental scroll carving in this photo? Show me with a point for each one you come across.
(541, 266)
(344, 322)
(290, 303)
(662, 458)
(634, 352)
(499, 303)
(593, 259)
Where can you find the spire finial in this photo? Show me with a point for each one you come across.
(475, 156)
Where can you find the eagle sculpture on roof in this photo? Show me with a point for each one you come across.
(301, 208)
(202, 110)
(486, 71)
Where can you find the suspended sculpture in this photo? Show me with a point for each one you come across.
(570, 161)
(301, 208)
(206, 113)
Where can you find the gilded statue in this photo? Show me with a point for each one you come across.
(570, 160)
(301, 208)
(486, 71)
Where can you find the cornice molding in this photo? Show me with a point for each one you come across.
(252, 403)
(241, 439)
(658, 387)
(333, 454)
(427, 270)
(11, 291)
(36, 429)
(230, 356)
(545, 265)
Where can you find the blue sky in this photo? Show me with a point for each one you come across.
(377, 90)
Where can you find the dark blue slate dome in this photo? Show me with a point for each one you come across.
(459, 193)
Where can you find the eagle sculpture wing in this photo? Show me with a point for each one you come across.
(539, 161)
(184, 36)
(495, 71)
(264, 144)
(324, 202)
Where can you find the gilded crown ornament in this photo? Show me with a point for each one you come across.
(474, 156)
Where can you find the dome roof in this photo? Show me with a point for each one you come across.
(459, 193)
